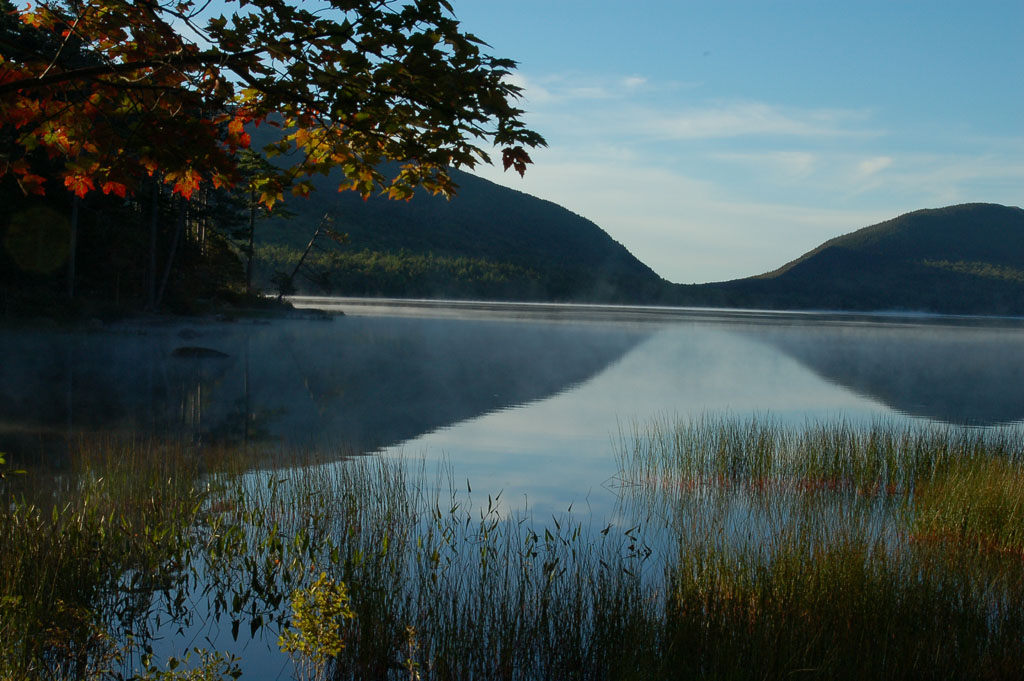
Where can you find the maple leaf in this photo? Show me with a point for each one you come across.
(515, 158)
(80, 185)
(185, 183)
(116, 188)
(189, 119)
(270, 197)
(32, 184)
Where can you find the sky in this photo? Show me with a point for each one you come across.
(718, 140)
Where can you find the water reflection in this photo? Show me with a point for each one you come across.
(955, 374)
(390, 377)
(360, 383)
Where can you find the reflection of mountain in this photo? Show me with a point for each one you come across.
(947, 373)
(362, 382)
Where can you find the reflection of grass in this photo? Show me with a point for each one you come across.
(825, 552)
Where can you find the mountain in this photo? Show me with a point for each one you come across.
(491, 242)
(965, 259)
(487, 242)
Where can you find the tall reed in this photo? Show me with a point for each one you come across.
(835, 551)
(79, 566)
(744, 549)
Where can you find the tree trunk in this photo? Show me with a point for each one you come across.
(252, 243)
(72, 247)
(154, 218)
(182, 214)
(323, 223)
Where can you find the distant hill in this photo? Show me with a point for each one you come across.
(491, 242)
(965, 259)
(487, 242)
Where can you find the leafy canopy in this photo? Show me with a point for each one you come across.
(105, 93)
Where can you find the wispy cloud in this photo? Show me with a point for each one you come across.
(872, 166)
(735, 119)
(782, 164)
(706, 190)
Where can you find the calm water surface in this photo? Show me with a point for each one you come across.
(526, 400)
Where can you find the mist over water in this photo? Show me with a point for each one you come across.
(523, 400)
(356, 384)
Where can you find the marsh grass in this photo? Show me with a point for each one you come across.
(834, 551)
(81, 559)
(745, 550)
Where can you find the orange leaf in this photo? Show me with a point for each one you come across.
(188, 183)
(79, 184)
(271, 196)
(115, 188)
(32, 184)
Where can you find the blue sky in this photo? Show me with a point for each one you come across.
(717, 140)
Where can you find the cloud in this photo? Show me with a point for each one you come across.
(718, 189)
(634, 107)
(787, 164)
(743, 118)
(686, 228)
(872, 166)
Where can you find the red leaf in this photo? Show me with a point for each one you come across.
(32, 184)
(188, 183)
(79, 184)
(515, 158)
(114, 188)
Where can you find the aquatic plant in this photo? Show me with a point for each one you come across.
(741, 549)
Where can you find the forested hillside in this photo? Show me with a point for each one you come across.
(965, 259)
(489, 241)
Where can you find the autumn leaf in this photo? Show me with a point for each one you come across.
(515, 158)
(79, 185)
(32, 184)
(269, 198)
(185, 182)
(135, 93)
(114, 188)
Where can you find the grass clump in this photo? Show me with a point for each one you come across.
(81, 563)
(973, 504)
(836, 552)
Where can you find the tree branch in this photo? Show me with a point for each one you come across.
(208, 57)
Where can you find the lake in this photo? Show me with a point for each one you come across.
(522, 399)
(524, 404)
